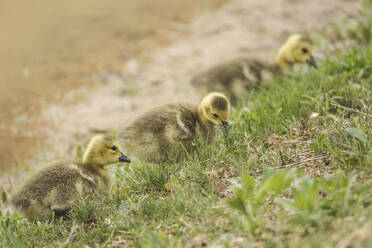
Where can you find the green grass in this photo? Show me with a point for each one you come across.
(277, 178)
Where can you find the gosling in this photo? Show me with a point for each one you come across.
(161, 133)
(235, 77)
(53, 190)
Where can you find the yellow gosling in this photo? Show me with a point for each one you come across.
(53, 189)
(160, 133)
(235, 77)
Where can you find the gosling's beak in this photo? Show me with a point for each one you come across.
(124, 158)
(224, 124)
(312, 62)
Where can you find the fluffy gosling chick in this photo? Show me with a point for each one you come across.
(235, 77)
(160, 133)
(53, 189)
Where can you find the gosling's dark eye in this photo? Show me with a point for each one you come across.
(304, 50)
(113, 148)
(215, 115)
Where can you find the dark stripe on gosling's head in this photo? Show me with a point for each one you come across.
(306, 38)
(219, 102)
(108, 138)
(102, 139)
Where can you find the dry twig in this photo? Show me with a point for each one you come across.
(72, 234)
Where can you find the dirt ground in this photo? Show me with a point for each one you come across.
(123, 82)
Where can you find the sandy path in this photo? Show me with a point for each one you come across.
(241, 27)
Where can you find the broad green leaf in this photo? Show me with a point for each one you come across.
(322, 138)
(4, 197)
(240, 193)
(275, 184)
(356, 133)
(16, 242)
(238, 204)
(268, 174)
(156, 241)
(248, 182)
(79, 152)
(314, 146)
(286, 203)
(306, 195)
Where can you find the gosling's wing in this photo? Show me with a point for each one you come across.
(239, 69)
(185, 123)
(146, 137)
(36, 186)
(219, 76)
(41, 191)
(152, 121)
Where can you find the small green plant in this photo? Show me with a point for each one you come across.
(225, 131)
(305, 202)
(314, 201)
(343, 198)
(79, 152)
(319, 143)
(7, 227)
(249, 197)
(356, 133)
(4, 197)
(158, 240)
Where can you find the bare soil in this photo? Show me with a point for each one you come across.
(122, 84)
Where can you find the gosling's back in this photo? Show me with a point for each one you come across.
(161, 131)
(235, 77)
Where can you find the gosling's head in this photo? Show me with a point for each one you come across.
(103, 150)
(298, 49)
(215, 108)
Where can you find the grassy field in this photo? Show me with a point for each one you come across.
(294, 170)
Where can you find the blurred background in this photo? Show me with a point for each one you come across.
(51, 47)
(67, 67)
